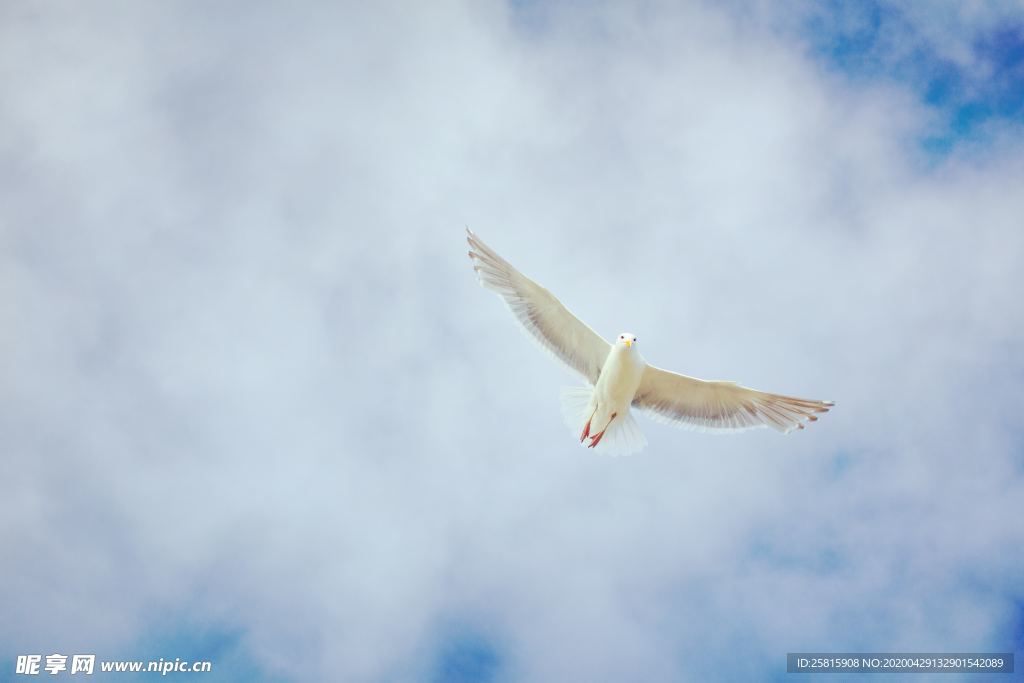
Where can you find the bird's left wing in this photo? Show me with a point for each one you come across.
(544, 317)
(720, 406)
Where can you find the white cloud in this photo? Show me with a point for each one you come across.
(249, 377)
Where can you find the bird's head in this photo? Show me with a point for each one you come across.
(626, 339)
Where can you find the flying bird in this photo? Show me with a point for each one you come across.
(619, 378)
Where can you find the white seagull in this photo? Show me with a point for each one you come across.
(621, 379)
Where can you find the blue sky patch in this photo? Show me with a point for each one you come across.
(466, 658)
(876, 41)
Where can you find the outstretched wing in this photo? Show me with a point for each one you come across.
(543, 316)
(720, 406)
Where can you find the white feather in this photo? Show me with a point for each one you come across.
(720, 406)
(550, 323)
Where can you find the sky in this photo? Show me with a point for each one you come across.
(255, 409)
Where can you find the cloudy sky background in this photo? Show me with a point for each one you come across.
(255, 409)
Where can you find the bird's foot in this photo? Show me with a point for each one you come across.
(596, 439)
(586, 427)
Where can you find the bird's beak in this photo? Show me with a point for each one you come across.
(629, 343)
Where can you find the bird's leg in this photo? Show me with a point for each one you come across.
(596, 439)
(586, 427)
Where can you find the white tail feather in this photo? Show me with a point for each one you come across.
(576, 408)
(623, 436)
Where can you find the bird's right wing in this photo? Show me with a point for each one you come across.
(720, 406)
(544, 317)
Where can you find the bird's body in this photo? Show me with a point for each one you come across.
(620, 379)
(613, 394)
